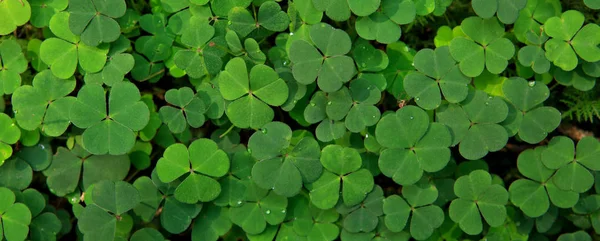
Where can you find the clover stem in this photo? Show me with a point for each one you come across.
(226, 132)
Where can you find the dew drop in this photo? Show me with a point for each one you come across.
(531, 83)
(42, 146)
(249, 150)
(272, 188)
(268, 212)
(329, 103)
(295, 101)
(291, 34)
(264, 131)
(367, 136)
(406, 48)
(487, 103)
(417, 98)
(312, 104)
(413, 64)
(412, 117)
(239, 202)
(283, 211)
(229, 22)
(363, 65)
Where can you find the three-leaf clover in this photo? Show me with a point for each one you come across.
(312, 222)
(269, 17)
(44, 104)
(283, 166)
(109, 124)
(251, 94)
(187, 108)
(533, 121)
(203, 160)
(574, 165)
(202, 57)
(94, 20)
(9, 134)
(507, 10)
(13, 13)
(118, 64)
(364, 216)
(570, 40)
(383, 25)
(342, 171)
(339, 10)
(436, 71)
(477, 196)
(261, 206)
(484, 47)
(531, 195)
(63, 52)
(413, 145)
(14, 217)
(534, 57)
(417, 205)
(329, 65)
(12, 64)
(475, 124)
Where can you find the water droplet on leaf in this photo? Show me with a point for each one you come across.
(264, 131)
(268, 212)
(329, 103)
(531, 83)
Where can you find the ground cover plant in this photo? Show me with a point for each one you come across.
(302, 120)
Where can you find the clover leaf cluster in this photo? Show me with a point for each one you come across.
(314, 120)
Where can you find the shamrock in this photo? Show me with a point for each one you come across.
(269, 17)
(533, 121)
(202, 160)
(329, 65)
(507, 10)
(261, 206)
(44, 104)
(118, 64)
(15, 217)
(426, 217)
(312, 222)
(436, 70)
(13, 13)
(9, 134)
(339, 10)
(484, 47)
(65, 51)
(251, 93)
(12, 64)
(531, 195)
(109, 125)
(342, 171)
(573, 166)
(570, 40)
(383, 25)
(364, 216)
(476, 194)
(282, 166)
(94, 20)
(202, 57)
(187, 108)
(43, 10)
(413, 145)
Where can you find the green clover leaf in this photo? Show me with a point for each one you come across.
(573, 165)
(250, 51)
(312, 222)
(13, 13)
(383, 24)
(118, 64)
(476, 194)
(43, 10)
(282, 167)
(534, 57)
(145, 234)
(202, 57)
(115, 119)
(342, 171)
(251, 93)
(269, 17)
(436, 71)
(94, 20)
(570, 40)
(534, 121)
(363, 217)
(528, 27)
(261, 207)
(531, 195)
(15, 174)
(12, 65)
(508, 10)
(576, 78)
(484, 47)
(339, 10)
(68, 167)
(15, 217)
(475, 124)
(65, 52)
(576, 236)
(211, 223)
(413, 145)
(328, 65)
(593, 4)
(202, 160)
(186, 108)
(44, 104)
(401, 64)
(9, 134)
(426, 217)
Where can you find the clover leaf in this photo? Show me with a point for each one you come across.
(234, 185)
(202, 160)
(147, 234)
(573, 164)
(382, 25)
(484, 47)
(187, 108)
(94, 20)
(413, 145)
(12, 64)
(477, 196)
(570, 40)
(282, 167)
(339, 10)
(328, 65)
(312, 222)
(531, 195)
(579, 235)
(13, 13)
(475, 124)
(201, 57)
(342, 171)
(251, 93)
(436, 71)
(534, 121)
(70, 169)
(15, 174)
(44, 104)
(417, 205)
(65, 51)
(262, 206)
(593, 4)
(118, 64)
(211, 223)
(528, 27)
(508, 10)
(9, 134)
(250, 51)
(15, 217)
(109, 125)
(364, 216)
(269, 17)
(43, 10)
(401, 64)
(534, 57)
